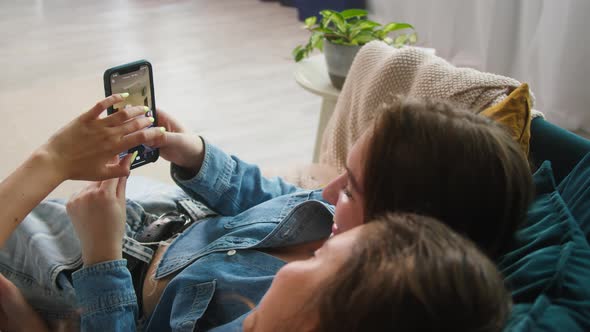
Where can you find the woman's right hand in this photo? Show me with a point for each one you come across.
(82, 149)
(177, 145)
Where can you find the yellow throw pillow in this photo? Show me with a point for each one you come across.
(514, 112)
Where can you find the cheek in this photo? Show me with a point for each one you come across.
(293, 282)
(348, 214)
(292, 291)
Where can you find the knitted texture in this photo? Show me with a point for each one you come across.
(380, 73)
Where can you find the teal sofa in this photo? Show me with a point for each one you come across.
(548, 266)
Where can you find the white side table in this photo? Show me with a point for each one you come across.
(312, 75)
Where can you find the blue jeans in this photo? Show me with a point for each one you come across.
(44, 250)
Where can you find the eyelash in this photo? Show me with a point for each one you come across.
(346, 191)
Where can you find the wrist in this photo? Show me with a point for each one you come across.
(91, 257)
(195, 152)
(192, 160)
(42, 160)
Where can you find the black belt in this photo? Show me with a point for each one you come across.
(164, 228)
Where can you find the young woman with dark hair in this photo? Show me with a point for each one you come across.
(237, 228)
(399, 272)
(426, 157)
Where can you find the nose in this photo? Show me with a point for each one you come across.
(330, 192)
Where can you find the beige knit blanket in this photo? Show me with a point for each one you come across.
(380, 72)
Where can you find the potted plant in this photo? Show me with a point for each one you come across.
(341, 34)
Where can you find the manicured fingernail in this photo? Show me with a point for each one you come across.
(162, 129)
(146, 109)
(152, 119)
(124, 95)
(134, 156)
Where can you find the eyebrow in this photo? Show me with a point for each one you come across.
(355, 184)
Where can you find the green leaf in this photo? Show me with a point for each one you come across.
(339, 21)
(296, 50)
(396, 26)
(413, 39)
(400, 40)
(349, 13)
(313, 40)
(379, 34)
(339, 41)
(365, 25)
(360, 26)
(326, 13)
(299, 55)
(310, 21)
(319, 44)
(323, 30)
(326, 17)
(364, 37)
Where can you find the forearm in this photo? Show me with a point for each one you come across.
(22, 190)
(227, 184)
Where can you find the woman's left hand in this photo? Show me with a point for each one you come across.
(98, 214)
(84, 148)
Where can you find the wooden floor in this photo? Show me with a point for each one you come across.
(222, 67)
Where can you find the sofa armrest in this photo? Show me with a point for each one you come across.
(563, 148)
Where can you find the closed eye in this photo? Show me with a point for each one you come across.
(347, 192)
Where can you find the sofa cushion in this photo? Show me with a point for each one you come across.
(575, 191)
(514, 112)
(548, 268)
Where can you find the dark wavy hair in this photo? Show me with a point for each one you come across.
(413, 273)
(428, 157)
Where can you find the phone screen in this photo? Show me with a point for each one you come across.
(137, 84)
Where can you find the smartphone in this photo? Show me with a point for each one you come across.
(135, 78)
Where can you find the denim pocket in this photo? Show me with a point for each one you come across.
(190, 304)
(37, 255)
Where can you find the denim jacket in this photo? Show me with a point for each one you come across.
(220, 274)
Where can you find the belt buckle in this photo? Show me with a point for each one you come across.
(166, 226)
(174, 217)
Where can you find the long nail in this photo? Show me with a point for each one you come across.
(162, 129)
(134, 156)
(146, 109)
(124, 95)
(152, 119)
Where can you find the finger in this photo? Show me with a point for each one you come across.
(109, 186)
(121, 186)
(89, 186)
(134, 125)
(153, 137)
(164, 119)
(102, 105)
(124, 115)
(122, 168)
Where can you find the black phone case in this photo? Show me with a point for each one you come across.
(123, 69)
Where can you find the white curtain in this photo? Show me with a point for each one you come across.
(543, 42)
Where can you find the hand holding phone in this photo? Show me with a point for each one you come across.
(136, 79)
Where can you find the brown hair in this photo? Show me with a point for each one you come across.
(429, 158)
(413, 273)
